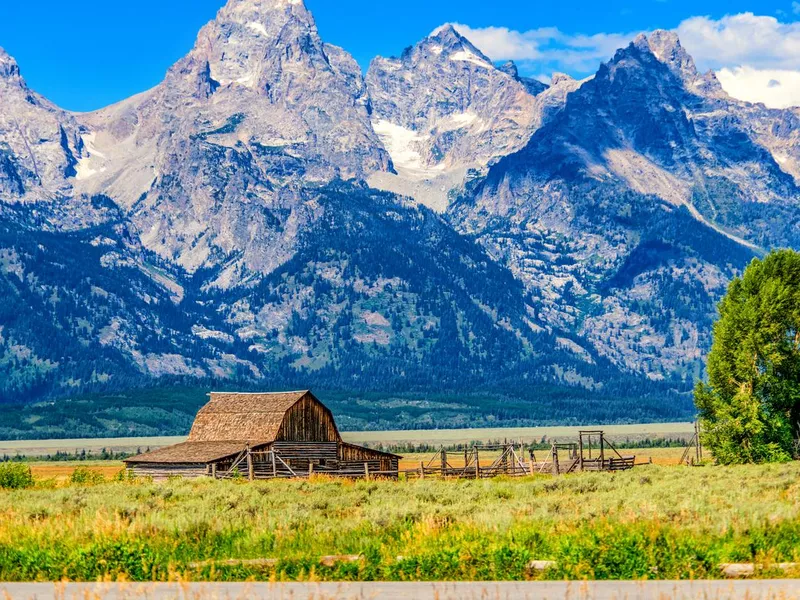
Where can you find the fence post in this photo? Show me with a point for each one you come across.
(366, 471)
(421, 470)
(250, 470)
(477, 465)
(697, 440)
(274, 466)
(310, 468)
(602, 451)
(556, 470)
(213, 470)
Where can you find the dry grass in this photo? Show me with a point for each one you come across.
(62, 471)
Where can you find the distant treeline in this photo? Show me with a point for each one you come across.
(544, 444)
(170, 410)
(83, 455)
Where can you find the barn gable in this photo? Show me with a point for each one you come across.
(308, 420)
(264, 418)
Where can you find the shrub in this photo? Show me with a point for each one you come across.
(125, 476)
(84, 476)
(15, 476)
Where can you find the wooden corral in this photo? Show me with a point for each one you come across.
(263, 436)
(592, 452)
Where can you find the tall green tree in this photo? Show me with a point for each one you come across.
(750, 407)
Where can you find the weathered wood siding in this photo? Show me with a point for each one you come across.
(164, 471)
(308, 421)
(301, 454)
(351, 455)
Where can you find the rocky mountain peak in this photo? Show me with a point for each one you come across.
(259, 110)
(666, 47)
(250, 38)
(262, 7)
(510, 68)
(447, 41)
(442, 109)
(8, 66)
(560, 78)
(534, 86)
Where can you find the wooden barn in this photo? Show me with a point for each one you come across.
(261, 436)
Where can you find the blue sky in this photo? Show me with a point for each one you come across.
(87, 55)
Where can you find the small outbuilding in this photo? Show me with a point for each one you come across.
(261, 436)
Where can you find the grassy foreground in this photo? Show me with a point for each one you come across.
(653, 522)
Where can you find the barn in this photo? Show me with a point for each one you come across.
(262, 436)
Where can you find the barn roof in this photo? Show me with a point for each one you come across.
(254, 418)
(190, 453)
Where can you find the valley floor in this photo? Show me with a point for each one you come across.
(433, 437)
(654, 522)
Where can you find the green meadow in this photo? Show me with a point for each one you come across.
(654, 522)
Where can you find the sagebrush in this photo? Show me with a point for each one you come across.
(652, 522)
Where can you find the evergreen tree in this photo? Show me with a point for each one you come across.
(750, 407)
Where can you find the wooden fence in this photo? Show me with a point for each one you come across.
(592, 452)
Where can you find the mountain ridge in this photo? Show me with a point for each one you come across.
(229, 225)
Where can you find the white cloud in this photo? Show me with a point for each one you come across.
(502, 43)
(755, 57)
(796, 8)
(744, 39)
(775, 88)
(546, 45)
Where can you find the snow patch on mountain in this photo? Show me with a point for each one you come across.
(399, 142)
(467, 56)
(258, 28)
(88, 166)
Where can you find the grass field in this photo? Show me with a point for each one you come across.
(653, 522)
(35, 448)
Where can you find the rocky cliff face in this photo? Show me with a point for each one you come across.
(617, 208)
(442, 109)
(211, 162)
(39, 144)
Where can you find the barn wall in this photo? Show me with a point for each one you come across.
(301, 454)
(352, 456)
(308, 421)
(163, 471)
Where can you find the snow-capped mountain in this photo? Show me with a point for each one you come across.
(442, 109)
(209, 164)
(225, 225)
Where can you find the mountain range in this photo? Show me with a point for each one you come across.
(437, 227)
